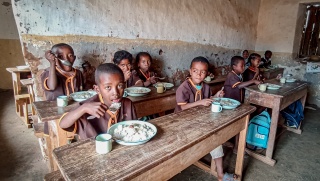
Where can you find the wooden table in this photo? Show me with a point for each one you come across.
(181, 140)
(29, 84)
(272, 73)
(277, 100)
(21, 100)
(49, 112)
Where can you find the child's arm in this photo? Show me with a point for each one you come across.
(151, 80)
(247, 83)
(96, 109)
(204, 102)
(52, 79)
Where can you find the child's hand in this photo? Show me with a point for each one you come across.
(127, 75)
(220, 93)
(205, 102)
(50, 57)
(153, 80)
(257, 82)
(96, 109)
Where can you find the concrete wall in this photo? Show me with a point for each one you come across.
(10, 48)
(279, 29)
(173, 31)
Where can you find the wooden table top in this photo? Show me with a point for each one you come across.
(176, 133)
(16, 70)
(26, 82)
(286, 89)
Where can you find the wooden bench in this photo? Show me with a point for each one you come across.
(38, 130)
(54, 176)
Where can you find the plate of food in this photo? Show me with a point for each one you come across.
(273, 86)
(83, 95)
(291, 80)
(137, 91)
(227, 103)
(132, 132)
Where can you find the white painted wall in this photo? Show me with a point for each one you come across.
(230, 24)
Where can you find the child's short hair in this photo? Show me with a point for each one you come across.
(59, 45)
(143, 54)
(245, 51)
(200, 59)
(107, 68)
(253, 56)
(120, 55)
(235, 60)
(268, 51)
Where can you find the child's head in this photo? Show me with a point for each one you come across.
(64, 52)
(110, 84)
(245, 54)
(123, 59)
(268, 54)
(237, 64)
(254, 59)
(144, 61)
(198, 69)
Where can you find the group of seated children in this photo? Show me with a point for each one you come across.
(97, 114)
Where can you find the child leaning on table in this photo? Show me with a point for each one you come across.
(97, 114)
(253, 72)
(123, 59)
(194, 92)
(61, 78)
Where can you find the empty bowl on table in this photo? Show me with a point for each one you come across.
(137, 91)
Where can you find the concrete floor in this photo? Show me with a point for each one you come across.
(298, 156)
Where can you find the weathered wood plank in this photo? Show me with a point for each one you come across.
(194, 131)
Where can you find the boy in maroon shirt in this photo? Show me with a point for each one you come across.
(194, 92)
(61, 78)
(95, 115)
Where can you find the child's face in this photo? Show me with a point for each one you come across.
(111, 87)
(245, 55)
(125, 65)
(66, 53)
(256, 62)
(198, 72)
(239, 68)
(268, 55)
(144, 63)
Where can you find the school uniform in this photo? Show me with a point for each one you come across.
(265, 63)
(65, 84)
(188, 92)
(133, 79)
(145, 76)
(87, 128)
(249, 74)
(231, 89)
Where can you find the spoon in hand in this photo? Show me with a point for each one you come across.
(160, 78)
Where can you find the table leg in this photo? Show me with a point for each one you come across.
(241, 148)
(273, 128)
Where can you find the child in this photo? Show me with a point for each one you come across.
(194, 92)
(144, 62)
(233, 86)
(60, 78)
(266, 61)
(97, 114)
(123, 59)
(253, 72)
(88, 75)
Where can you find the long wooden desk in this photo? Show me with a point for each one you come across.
(181, 140)
(277, 100)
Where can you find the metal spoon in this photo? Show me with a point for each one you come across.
(65, 62)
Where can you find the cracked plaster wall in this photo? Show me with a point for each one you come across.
(181, 30)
